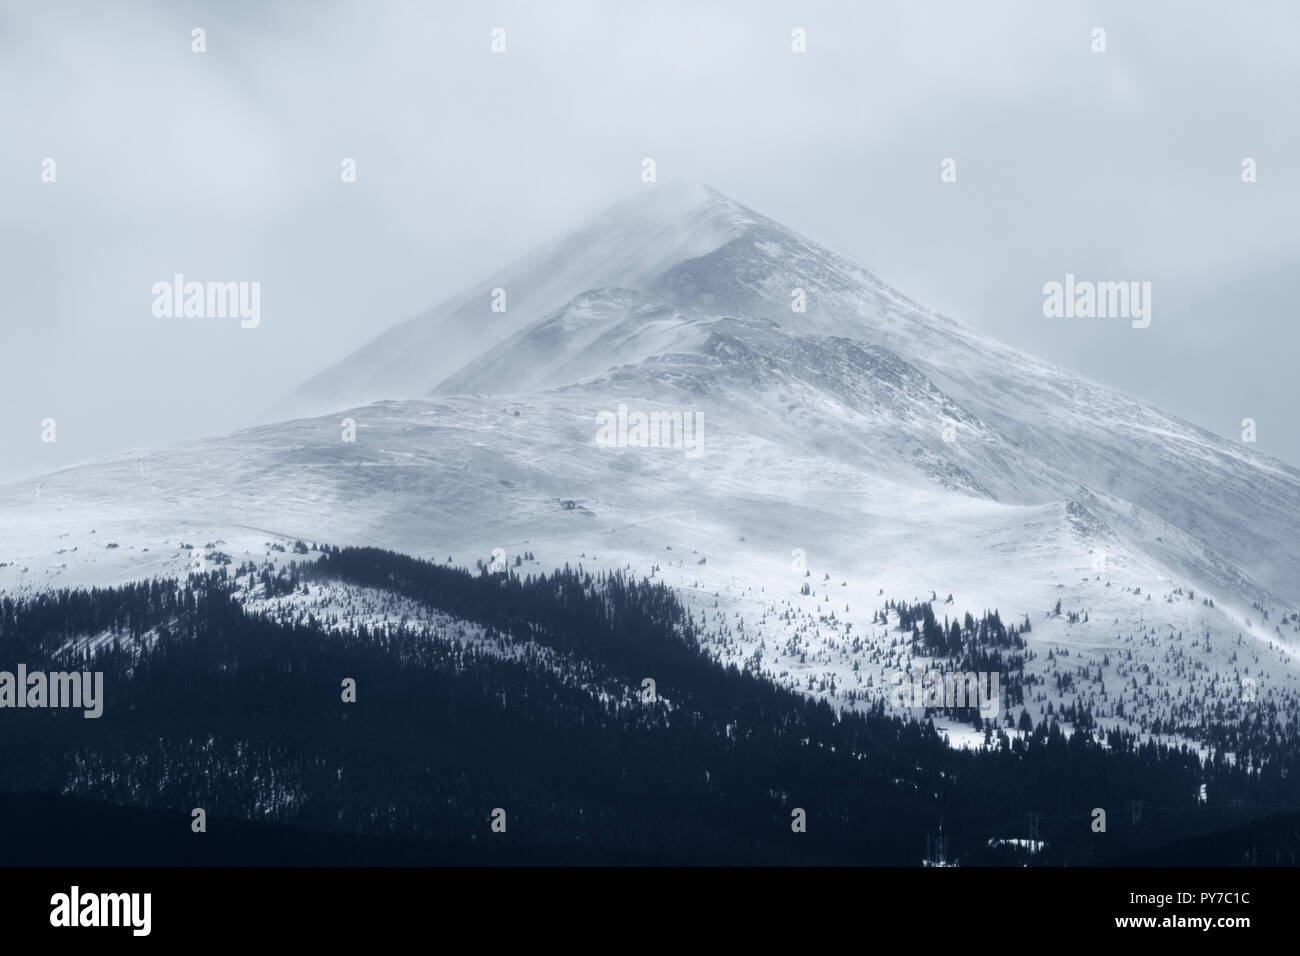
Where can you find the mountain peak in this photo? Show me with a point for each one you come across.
(628, 245)
(672, 221)
(680, 195)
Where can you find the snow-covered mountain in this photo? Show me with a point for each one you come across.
(863, 450)
(687, 257)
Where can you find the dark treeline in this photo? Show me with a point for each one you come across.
(209, 706)
(984, 646)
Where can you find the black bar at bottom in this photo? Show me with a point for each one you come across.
(333, 905)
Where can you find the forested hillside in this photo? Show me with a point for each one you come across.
(208, 705)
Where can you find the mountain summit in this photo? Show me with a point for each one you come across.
(651, 278)
(632, 244)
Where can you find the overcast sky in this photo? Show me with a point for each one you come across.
(1123, 165)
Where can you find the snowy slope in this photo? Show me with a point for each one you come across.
(592, 332)
(459, 479)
